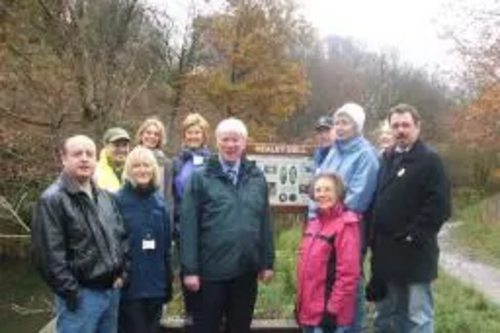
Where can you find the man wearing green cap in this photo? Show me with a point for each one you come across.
(112, 159)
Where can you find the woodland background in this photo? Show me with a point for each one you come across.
(80, 66)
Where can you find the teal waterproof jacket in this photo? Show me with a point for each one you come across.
(225, 228)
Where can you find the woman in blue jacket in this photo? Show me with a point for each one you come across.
(355, 160)
(193, 155)
(147, 223)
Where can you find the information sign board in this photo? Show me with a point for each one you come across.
(288, 170)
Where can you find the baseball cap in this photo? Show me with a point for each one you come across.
(324, 123)
(115, 134)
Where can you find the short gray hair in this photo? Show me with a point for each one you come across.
(231, 125)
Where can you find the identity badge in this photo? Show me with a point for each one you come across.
(197, 160)
(401, 172)
(148, 244)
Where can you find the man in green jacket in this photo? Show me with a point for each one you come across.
(225, 234)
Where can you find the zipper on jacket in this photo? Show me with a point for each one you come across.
(313, 237)
(102, 233)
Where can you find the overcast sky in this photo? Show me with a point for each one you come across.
(406, 25)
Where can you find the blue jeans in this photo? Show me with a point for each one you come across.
(318, 329)
(407, 308)
(97, 312)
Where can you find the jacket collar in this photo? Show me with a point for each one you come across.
(70, 186)
(141, 192)
(331, 212)
(105, 162)
(416, 149)
(103, 158)
(215, 168)
(349, 145)
(187, 153)
(387, 176)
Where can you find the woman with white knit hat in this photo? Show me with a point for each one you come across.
(355, 160)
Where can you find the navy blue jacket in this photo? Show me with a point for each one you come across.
(146, 217)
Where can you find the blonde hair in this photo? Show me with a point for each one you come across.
(196, 119)
(153, 121)
(140, 155)
(383, 128)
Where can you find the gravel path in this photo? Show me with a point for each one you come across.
(482, 277)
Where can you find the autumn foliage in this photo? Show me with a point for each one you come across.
(477, 41)
(478, 126)
(249, 72)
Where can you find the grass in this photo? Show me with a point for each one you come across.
(462, 309)
(24, 301)
(480, 230)
(458, 308)
(277, 299)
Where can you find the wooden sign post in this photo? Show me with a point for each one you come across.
(288, 170)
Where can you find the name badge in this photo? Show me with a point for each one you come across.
(148, 244)
(197, 160)
(401, 172)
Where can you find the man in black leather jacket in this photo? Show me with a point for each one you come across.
(79, 244)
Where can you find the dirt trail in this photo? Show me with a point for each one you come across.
(482, 277)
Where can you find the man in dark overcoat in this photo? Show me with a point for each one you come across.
(412, 202)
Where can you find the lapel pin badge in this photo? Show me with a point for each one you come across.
(401, 172)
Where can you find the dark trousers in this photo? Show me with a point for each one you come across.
(140, 316)
(234, 299)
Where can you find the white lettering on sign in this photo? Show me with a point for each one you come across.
(280, 149)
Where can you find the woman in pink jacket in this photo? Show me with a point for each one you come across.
(329, 261)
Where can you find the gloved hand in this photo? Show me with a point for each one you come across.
(72, 301)
(376, 290)
(329, 321)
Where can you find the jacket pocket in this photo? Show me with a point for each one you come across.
(251, 249)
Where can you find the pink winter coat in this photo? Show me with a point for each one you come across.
(329, 267)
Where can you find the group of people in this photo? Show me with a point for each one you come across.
(391, 201)
(103, 232)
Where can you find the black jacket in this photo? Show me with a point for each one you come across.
(77, 241)
(412, 201)
(226, 229)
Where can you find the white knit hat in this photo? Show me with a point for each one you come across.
(355, 112)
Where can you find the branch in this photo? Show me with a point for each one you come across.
(23, 311)
(25, 119)
(18, 53)
(20, 201)
(139, 90)
(13, 154)
(8, 207)
(6, 236)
